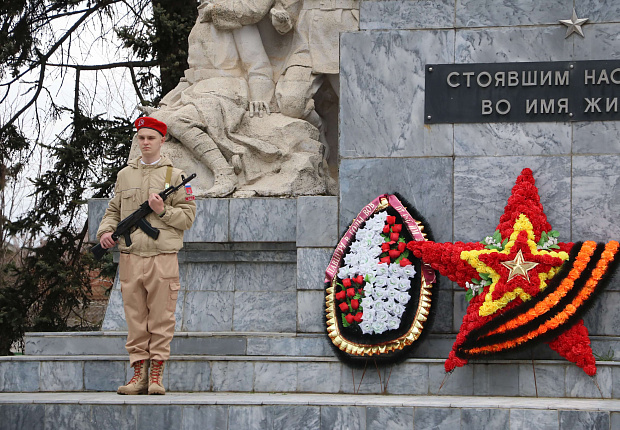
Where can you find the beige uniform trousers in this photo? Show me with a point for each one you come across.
(150, 287)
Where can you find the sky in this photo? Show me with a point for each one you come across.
(108, 92)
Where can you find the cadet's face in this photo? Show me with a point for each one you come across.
(150, 142)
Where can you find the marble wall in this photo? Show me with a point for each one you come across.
(459, 176)
(257, 265)
(248, 266)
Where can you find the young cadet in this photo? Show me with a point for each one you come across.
(148, 268)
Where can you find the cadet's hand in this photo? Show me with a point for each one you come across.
(156, 203)
(107, 241)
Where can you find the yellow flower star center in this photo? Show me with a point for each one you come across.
(518, 267)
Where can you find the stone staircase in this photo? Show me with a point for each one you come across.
(289, 362)
(251, 351)
(290, 381)
(280, 411)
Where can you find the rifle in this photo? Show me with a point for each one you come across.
(138, 219)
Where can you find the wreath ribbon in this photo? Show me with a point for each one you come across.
(365, 213)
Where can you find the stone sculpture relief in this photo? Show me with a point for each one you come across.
(315, 51)
(243, 117)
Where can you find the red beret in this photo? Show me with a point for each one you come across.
(148, 122)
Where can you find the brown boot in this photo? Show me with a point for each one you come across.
(156, 385)
(139, 382)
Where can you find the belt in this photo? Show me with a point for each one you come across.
(331, 4)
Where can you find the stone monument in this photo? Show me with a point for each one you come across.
(244, 116)
(251, 315)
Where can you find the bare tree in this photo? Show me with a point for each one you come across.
(71, 73)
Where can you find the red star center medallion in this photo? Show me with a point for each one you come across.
(520, 270)
(519, 267)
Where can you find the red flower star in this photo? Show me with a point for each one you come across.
(517, 272)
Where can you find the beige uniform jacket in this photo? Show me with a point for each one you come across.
(133, 186)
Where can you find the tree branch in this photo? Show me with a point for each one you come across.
(76, 96)
(135, 85)
(47, 19)
(32, 100)
(129, 64)
(43, 59)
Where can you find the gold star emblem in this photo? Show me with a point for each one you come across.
(574, 24)
(519, 267)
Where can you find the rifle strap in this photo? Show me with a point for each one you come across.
(168, 177)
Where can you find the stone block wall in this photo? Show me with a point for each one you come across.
(256, 265)
(459, 176)
(248, 265)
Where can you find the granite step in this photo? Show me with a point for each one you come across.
(258, 411)
(311, 374)
(264, 343)
(183, 343)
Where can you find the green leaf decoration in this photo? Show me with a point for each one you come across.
(469, 294)
(542, 241)
(485, 276)
(497, 237)
(545, 237)
(497, 244)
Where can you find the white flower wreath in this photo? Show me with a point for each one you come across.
(386, 291)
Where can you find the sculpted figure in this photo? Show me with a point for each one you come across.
(315, 50)
(220, 114)
(229, 72)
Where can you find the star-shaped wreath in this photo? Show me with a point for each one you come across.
(524, 286)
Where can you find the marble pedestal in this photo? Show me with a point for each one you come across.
(249, 265)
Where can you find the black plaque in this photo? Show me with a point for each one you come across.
(523, 92)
